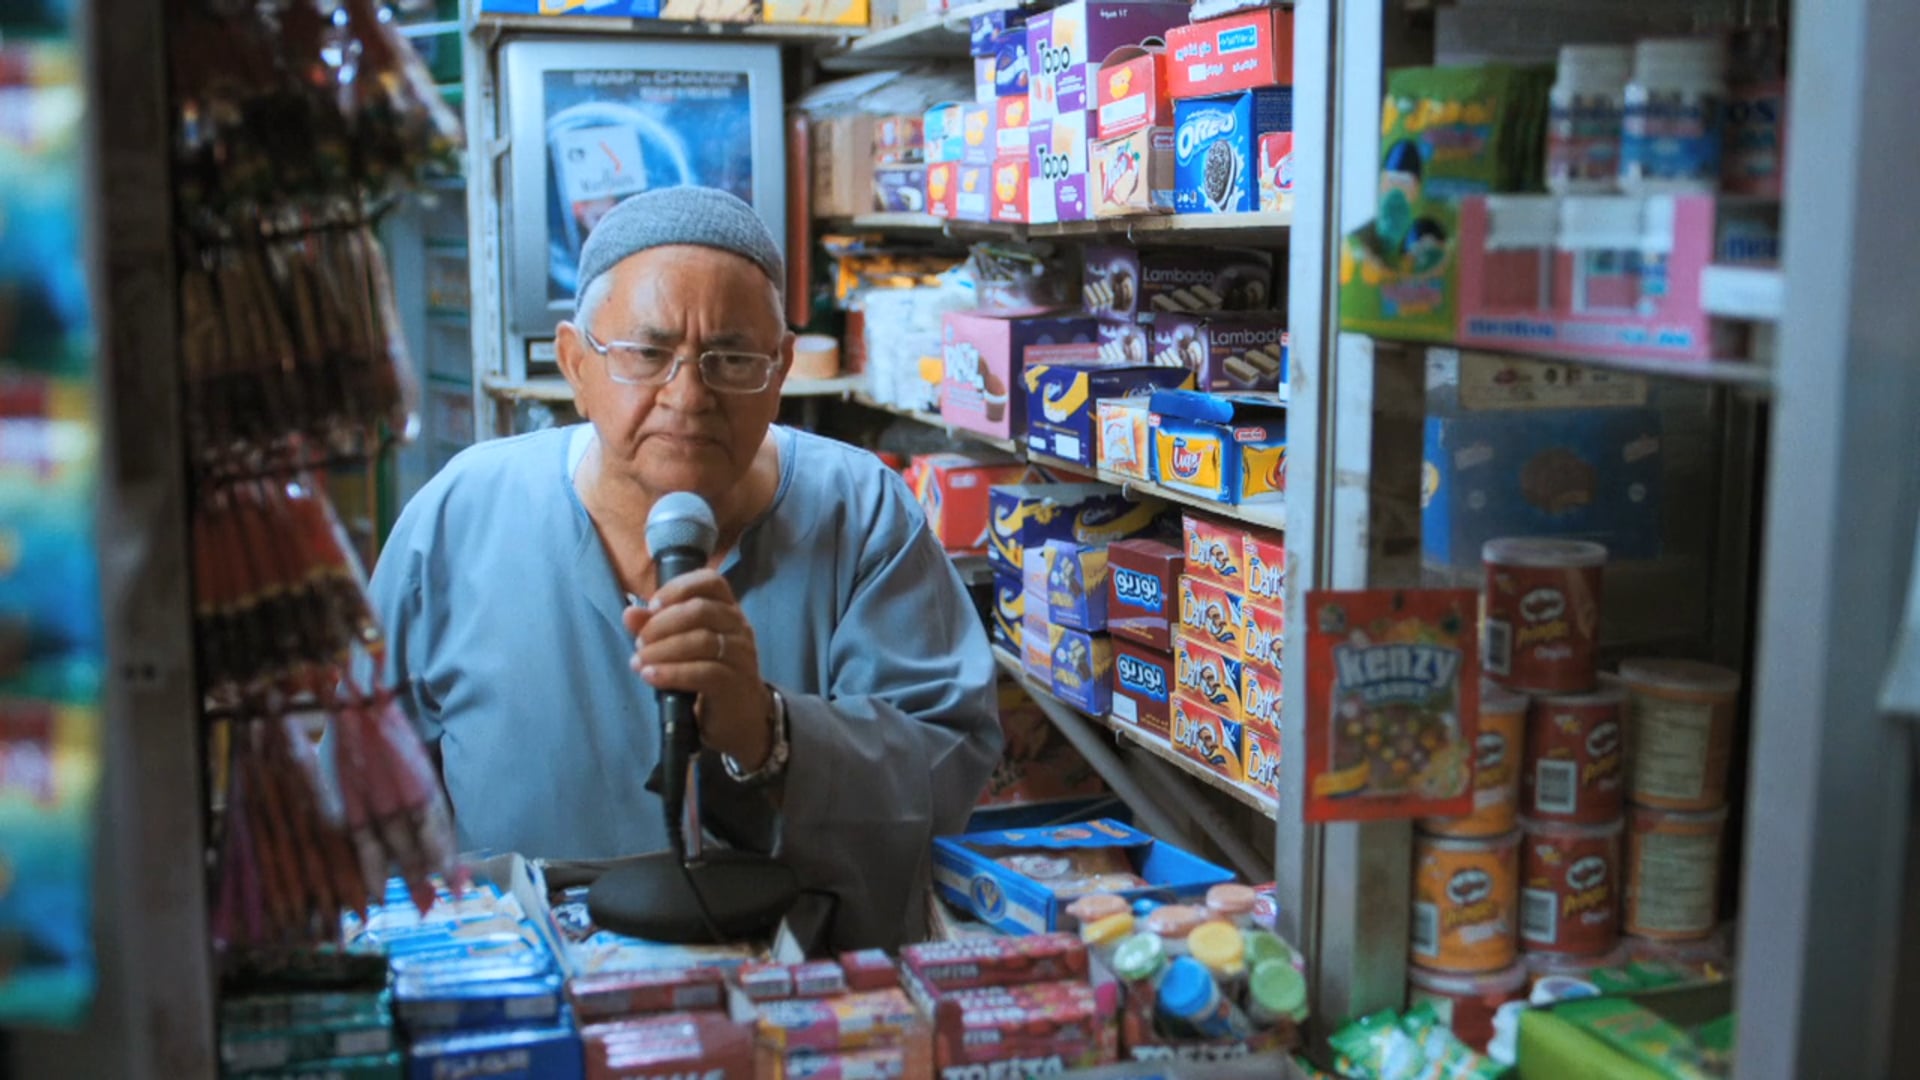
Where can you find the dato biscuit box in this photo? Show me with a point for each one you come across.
(1209, 738)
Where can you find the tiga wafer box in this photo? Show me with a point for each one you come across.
(1214, 551)
(1142, 687)
(1262, 762)
(1142, 587)
(1207, 677)
(1121, 440)
(1209, 738)
(1210, 614)
(1226, 353)
(1083, 669)
(1229, 448)
(1260, 699)
(1077, 585)
(1216, 143)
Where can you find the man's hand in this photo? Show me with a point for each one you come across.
(694, 637)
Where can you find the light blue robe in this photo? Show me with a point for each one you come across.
(506, 647)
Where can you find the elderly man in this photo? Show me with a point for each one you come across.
(844, 681)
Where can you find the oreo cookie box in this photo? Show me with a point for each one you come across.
(1216, 148)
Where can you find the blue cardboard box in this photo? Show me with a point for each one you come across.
(1231, 448)
(1082, 674)
(1009, 608)
(1060, 400)
(622, 9)
(967, 872)
(1216, 142)
(985, 28)
(1010, 75)
(1077, 585)
(549, 1052)
(473, 999)
(1582, 474)
(1022, 516)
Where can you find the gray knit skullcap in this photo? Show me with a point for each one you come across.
(701, 216)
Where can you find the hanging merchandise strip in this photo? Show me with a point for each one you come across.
(295, 123)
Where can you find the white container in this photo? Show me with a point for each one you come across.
(1584, 119)
(1671, 131)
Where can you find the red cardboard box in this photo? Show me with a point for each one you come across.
(943, 180)
(1143, 581)
(1207, 737)
(952, 489)
(1263, 761)
(946, 966)
(1210, 614)
(1262, 635)
(1213, 551)
(1239, 52)
(1142, 687)
(1208, 678)
(677, 1044)
(1010, 127)
(1010, 189)
(1265, 556)
(612, 995)
(1132, 91)
(1260, 700)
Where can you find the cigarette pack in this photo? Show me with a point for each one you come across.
(389, 1066)
(1122, 444)
(1210, 614)
(253, 1049)
(947, 966)
(1142, 687)
(1214, 551)
(873, 1063)
(1077, 585)
(1226, 353)
(1083, 669)
(1143, 589)
(1229, 448)
(1207, 677)
(474, 999)
(1209, 738)
(1061, 400)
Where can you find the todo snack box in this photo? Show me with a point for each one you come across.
(1143, 599)
(1057, 168)
(1216, 141)
(1061, 397)
(1065, 46)
(1239, 52)
(1230, 448)
(1206, 736)
(983, 356)
(1226, 353)
(1142, 687)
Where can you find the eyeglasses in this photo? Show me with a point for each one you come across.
(634, 364)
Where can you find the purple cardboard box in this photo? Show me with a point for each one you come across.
(1057, 169)
(1225, 352)
(1065, 46)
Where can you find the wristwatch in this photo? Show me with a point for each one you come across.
(776, 764)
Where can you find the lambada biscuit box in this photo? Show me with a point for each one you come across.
(1214, 551)
(1226, 353)
(1210, 613)
(1065, 47)
(1263, 635)
(1207, 677)
(1142, 687)
(1023, 517)
(1077, 585)
(983, 357)
(1142, 584)
(1260, 699)
(1262, 763)
(1229, 448)
(1083, 670)
(1239, 52)
(1216, 148)
(952, 489)
(1209, 738)
(1061, 397)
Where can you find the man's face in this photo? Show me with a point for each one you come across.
(683, 435)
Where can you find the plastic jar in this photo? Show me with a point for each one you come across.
(1680, 725)
(1464, 897)
(1233, 903)
(1673, 873)
(1576, 758)
(1141, 959)
(1103, 936)
(1189, 995)
(1584, 117)
(1570, 888)
(1264, 945)
(1542, 613)
(1276, 992)
(1173, 922)
(1498, 751)
(1466, 1003)
(1671, 131)
(1219, 947)
(1097, 906)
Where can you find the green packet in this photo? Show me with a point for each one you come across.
(344, 1008)
(1417, 1046)
(1650, 1039)
(370, 1067)
(245, 1050)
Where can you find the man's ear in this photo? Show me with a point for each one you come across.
(786, 361)
(571, 352)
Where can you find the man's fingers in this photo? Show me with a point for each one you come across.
(693, 677)
(701, 583)
(699, 613)
(694, 645)
(635, 619)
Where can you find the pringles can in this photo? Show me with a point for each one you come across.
(1464, 900)
(1498, 755)
(1575, 768)
(1542, 625)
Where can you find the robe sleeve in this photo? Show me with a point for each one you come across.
(398, 593)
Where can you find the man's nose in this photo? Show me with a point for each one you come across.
(687, 391)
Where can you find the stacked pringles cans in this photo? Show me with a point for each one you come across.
(1535, 868)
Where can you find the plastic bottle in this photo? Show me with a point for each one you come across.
(1173, 922)
(1103, 936)
(1584, 119)
(1670, 135)
(1140, 960)
(1189, 996)
(1233, 903)
(1276, 991)
(1219, 947)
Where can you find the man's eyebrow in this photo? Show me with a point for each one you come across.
(727, 339)
(658, 335)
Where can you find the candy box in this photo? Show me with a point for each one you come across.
(850, 1022)
(979, 142)
(548, 1052)
(1260, 697)
(900, 189)
(1131, 91)
(1061, 397)
(1210, 614)
(1121, 442)
(1022, 517)
(1010, 63)
(1083, 670)
(969, 874)
(1262, 770)
(1239, 52)
(1077, 585)
(1216, 140)
(1142, 687)
(472, 999)
(1226, 353)
(1008, 199)
(952, 489)
(630, 993)
(983, 355)
(869, 969)
(941, 132)
(1214, 551)
(1065, 46)
(970, 963)
(1133, 173)
(1009, 612)
(1057, 168)
(1142, 586)
(1207, 677)
(367, 1067)
(973, 193)
(1026, 1030)
(1205, 736)
(1222, 279)
(1276, 172)
(1263, 635)
(664, 1047)
(943, 186)
(1265, 555)
(984, 28)
(1230, 448)
(1010, 134)
(251, 1048)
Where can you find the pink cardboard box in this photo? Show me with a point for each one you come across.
(981, 387)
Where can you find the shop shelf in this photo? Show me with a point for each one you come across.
(935, 420)
(839, 386)
(608, 24)
(1247, 230)
(1753, 293)
(942, 35)
(1751, 376)
(1264, 516)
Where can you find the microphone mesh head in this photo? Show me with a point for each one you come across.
(681, 520)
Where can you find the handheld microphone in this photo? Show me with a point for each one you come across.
(680, 534)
